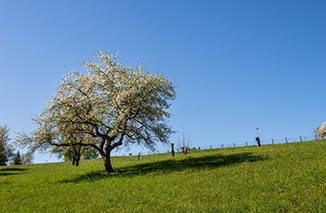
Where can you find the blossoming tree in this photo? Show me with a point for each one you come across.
(114, 104)
(321, 132)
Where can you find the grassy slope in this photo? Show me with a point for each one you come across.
(273, 178)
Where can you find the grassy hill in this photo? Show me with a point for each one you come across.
(273, 178)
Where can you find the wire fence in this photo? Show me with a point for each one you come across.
(228, 145)
(262, 142)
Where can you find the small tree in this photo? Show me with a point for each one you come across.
(17, 159)
(6, 150)
(185, 145)
(315, 133)
(321, 132)
(116, 105)
(27, 158)
(74, 152)
(90, 153)
(69, 153)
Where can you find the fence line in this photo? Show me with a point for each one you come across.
(263, 142)
(229, 145)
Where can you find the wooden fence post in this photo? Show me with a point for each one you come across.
(172, 148)
(300, 139)
(246, 143)
(286, 139)
(272, 141)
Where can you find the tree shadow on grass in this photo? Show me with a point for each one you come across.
(192, 163)
(5, 171)
(172, 165)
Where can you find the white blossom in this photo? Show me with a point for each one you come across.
(116, 104)
(321, 132)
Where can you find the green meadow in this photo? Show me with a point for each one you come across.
(273, 178)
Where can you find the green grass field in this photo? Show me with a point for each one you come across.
(273, 178)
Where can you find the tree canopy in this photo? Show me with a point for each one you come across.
(114, 104)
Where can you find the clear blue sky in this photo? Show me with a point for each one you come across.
(237, 65)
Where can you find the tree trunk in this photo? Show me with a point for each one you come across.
(72, 161)
(107, 162)
(77, 159)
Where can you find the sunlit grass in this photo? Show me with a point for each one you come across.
(273, 178)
